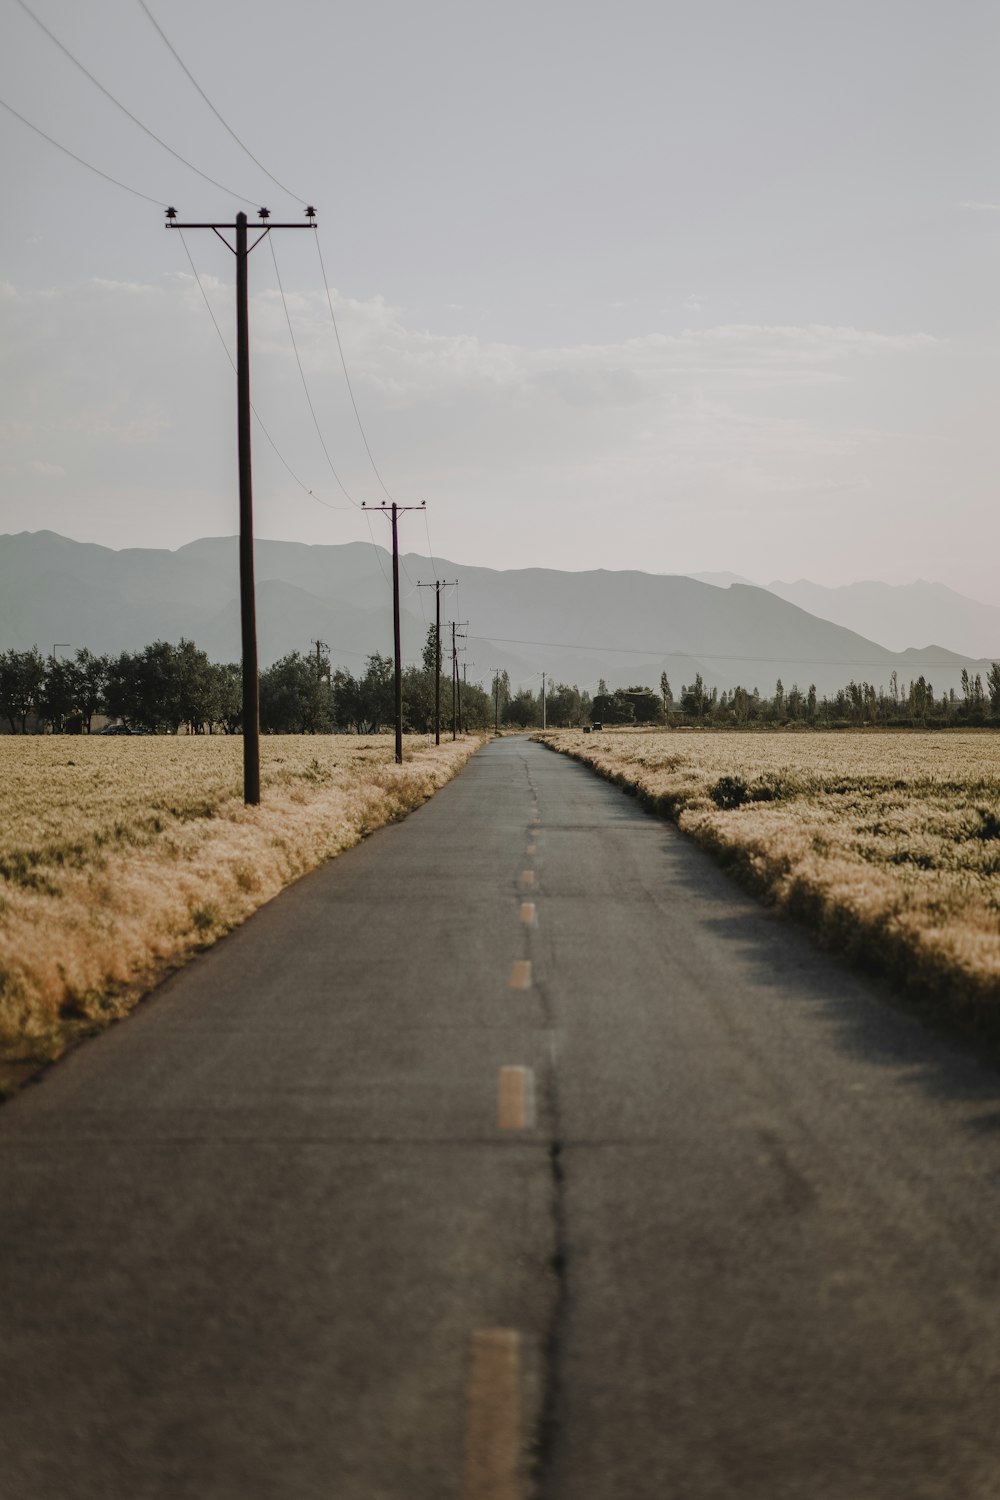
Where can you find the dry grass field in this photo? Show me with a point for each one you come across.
(121, 856)
(886, 844)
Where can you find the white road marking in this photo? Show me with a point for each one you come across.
(520, 974)
(528, 913)
(527, 877)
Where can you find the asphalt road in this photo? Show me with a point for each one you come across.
(407, 1190)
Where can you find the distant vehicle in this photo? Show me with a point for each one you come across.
(115, 729)
(597, 724)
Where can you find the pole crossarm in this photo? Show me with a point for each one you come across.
(387, 509)
(176, 224)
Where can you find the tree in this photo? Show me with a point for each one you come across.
(91, 676)
(614, 708)
(378, 687)
(993, 687)
(365, 703)
(195, 684)
(563, 706)
(431, 653)
(523, 710)
(294, 697)
(227, 699)
(647, 707)
(694, 698)
(740, 702)
(57, 698)
(920, 700)
(22, 682)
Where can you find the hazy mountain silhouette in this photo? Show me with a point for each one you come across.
(898, 616)
(578, 627)
(902, 615)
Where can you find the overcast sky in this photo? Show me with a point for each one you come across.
(670, 286)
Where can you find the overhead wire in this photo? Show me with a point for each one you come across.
(302, 377)
(333, 316)
(215, 323)
(243, 199)
(79, 159)
(343, 361)
(125, 111)
(319, 434)
(663, 651)
(223, 122)
(305, 386)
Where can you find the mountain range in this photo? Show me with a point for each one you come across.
(895, 615)
(625, 627)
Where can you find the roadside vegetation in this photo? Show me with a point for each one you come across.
(119, 857)
(169, 689)
(886, 844)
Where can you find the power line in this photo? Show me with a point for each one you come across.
(302, 376)
(281, 457)
(663, 651)
(430, 550)
(67, 152)
(343, 361)
(224, 123)
(118, 105)
(350, 389)
(319, 434)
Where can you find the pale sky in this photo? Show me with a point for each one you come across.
(666, 286)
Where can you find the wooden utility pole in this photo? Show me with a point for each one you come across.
(456, 691)
(437, 586)
(323, 667)
(394, 511)
(248, 609)
(543, 700)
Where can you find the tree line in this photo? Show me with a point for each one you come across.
(914, 704)
(166, 688)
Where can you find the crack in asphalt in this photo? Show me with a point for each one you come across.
(559, 1262)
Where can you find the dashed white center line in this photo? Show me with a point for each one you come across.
(528, 913)
(520, 974)
(516, 1099)
(531, 849)
(493, 1417)
(527, 877)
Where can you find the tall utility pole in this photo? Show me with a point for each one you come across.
(322, 668)
(248, 609)
(456, 692)
(394, 511)
(437, 586)
(543, 700)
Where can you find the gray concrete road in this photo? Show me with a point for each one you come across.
(488, 1163)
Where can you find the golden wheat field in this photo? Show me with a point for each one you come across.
(121, 855)
(887, 844)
